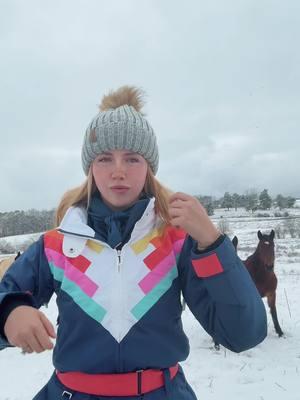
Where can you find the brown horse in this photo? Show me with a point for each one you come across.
(6, 263)
(261, 268)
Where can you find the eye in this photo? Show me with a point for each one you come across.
(133, 160)
(103, 159)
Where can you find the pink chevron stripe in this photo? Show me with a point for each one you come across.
(177, 246)
(158, 273)
(83, 281)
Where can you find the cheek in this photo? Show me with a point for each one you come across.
(141, 176)
(99, 176)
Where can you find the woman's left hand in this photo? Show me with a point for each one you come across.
(187, 213)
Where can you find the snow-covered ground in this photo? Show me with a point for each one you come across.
(271, 371)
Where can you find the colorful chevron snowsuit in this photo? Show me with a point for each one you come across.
(120, 309)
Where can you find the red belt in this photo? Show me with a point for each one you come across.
(127, 384)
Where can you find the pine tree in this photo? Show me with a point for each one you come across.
(251, 200)
(290, 201)
(236, 200)
(227, 201)
(265, 201)
(280, 201)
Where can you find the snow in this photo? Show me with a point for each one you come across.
(19, 239)
(270, 371)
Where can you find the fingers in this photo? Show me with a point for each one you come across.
(33, 345)
(177, 204)
(177, 208)
(177, 222)
(187, 213)
(29, 329)
(48, 326)
(176, 217)
(37, 340)
(179, 196)
(175, 212)
(40, 340)
(183, 201)
(26, 349)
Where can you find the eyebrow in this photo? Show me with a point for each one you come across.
(107, 153)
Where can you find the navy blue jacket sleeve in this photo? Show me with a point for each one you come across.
(27, 281)
(222, 296)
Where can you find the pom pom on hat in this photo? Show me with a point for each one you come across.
(130, 95)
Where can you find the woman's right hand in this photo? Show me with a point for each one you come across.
(30, 329)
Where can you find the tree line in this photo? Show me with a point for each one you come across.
(22, 222)
(251, 201)
(32, 221)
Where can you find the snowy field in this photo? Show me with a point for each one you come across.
(271, 371)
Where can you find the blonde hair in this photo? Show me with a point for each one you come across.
(81, 196)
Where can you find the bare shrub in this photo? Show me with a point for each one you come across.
(298, 228)
(6, 248)
(23, 246)
(290, 227)
(279, 232)
(223, 226)
(278, 214)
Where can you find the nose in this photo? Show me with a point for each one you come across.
(119, 170)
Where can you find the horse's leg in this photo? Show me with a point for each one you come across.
(216, 345)
(272, 304)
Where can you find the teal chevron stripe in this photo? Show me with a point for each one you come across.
(57, 273)
(88, 305)
(154, 295)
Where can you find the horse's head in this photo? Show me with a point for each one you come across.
(265, 248)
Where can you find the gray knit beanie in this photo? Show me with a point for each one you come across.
(120, 125)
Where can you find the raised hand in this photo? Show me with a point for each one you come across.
(187, 213)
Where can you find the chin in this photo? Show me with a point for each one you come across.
(119, 206)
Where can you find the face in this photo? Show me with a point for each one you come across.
(120, 177)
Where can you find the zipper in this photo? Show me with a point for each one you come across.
(119, 260)
(119, 305)
(119, 291)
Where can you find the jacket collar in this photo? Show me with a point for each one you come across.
(75, 221)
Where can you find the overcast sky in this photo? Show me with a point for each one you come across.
(222, 78)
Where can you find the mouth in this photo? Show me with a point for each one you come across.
(119, 189)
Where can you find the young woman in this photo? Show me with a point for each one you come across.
(124, 250)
